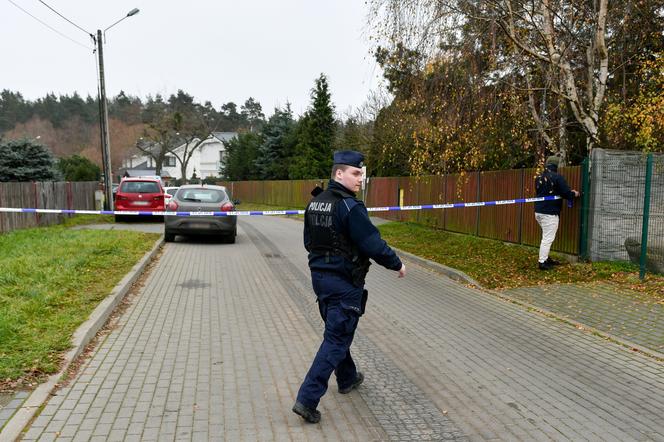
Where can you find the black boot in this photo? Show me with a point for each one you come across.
(553, 262)
(354, 385)
(310, 415)
(545, 265)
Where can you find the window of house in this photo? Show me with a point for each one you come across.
(222, 156)
(169, 161)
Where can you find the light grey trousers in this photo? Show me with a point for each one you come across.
(549, 225)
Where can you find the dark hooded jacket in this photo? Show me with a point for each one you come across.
(550, 183)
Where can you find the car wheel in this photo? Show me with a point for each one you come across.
(230, 239)
(119, 218)
(169, 237)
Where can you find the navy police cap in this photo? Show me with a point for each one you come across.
(349, 157)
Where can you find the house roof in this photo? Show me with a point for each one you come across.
(153, 148)
(134, 172)
(214, 136)
(224, 136)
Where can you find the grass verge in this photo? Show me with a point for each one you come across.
(51, 279)
(498, 265)
(80, 220)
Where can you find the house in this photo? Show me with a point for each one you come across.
(206, 160)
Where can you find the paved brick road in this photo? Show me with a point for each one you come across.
(218, 340)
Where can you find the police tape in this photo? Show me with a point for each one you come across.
(275, 212)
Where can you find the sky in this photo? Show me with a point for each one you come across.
(216, 50)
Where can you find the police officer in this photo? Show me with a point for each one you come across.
(547, 213)
(340, 239)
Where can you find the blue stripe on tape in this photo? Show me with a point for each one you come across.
(277, 212)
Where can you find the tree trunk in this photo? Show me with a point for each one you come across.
(562, 129)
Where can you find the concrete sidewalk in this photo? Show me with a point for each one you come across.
(627, 316)
(218, 340)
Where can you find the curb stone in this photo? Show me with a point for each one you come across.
(450, 272)
(81, 338)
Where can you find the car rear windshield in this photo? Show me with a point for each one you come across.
(201, 195)
(171, 191)
(139, 187)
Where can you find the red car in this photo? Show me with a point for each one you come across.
(139, 194)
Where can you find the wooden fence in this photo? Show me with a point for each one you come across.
(43, 195)
(511, 223)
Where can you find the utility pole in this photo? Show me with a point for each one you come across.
(103, 117)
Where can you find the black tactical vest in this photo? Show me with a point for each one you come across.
(325, 240)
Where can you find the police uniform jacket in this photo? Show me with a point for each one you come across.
(352, 220)
(550, 183)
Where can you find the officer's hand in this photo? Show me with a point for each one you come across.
(402, 271)
(576, 193)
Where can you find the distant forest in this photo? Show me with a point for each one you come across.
(69, 124)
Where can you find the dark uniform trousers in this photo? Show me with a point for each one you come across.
(335, 296)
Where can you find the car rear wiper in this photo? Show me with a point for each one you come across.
(192, 199)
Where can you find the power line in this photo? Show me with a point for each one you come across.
(65, 18)
(51, 28)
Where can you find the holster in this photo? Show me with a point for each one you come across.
(359, 272)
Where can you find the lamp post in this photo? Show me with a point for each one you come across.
(103, 115)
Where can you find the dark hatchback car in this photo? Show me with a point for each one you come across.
(201, 198)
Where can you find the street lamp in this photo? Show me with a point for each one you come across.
(103, 115)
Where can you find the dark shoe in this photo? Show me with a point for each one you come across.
(545, 265)
(354, 385)
(310, 415)
(553, 262)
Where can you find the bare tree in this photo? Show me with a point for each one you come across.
(159, 139)
(567, 37)
(179, 128)
(570, 36)
(195, 128)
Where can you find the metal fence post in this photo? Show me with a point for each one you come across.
(479, 198)
(585, 201)
(445, 200)
(646, 216)
(522, 195)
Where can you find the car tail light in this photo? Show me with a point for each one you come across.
(227, 207)
(172, 206)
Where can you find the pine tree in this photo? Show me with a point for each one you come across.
(78, 168)
(276, 149)
(25, 160)
(13, 109)
(313, 153)
(241, 153)
(252, 115)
